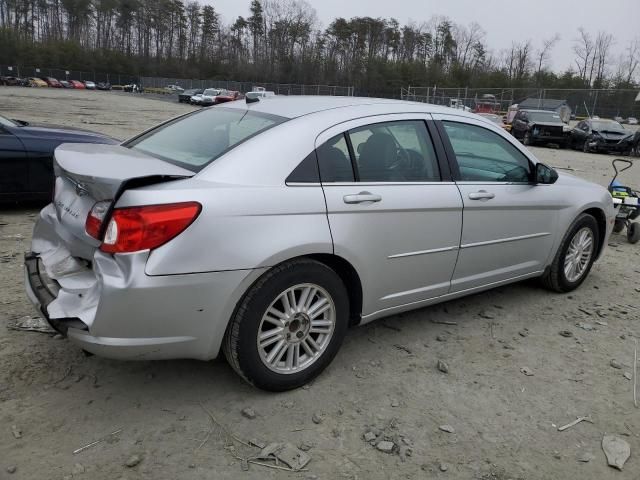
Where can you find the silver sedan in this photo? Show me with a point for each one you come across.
(265, 229)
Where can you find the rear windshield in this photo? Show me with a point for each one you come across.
(194, 141)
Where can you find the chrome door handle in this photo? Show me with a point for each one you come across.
(481, 195)
(362, 197)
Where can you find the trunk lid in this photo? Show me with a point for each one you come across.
(89, 173)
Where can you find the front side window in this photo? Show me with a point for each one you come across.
(196, 140)
(394, 152)
(483, 155)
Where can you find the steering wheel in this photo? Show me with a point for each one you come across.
(401, 161)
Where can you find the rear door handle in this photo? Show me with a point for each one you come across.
(362, 197)
(481, 195)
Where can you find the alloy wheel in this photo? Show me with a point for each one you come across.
(296, 328)
(578, 256)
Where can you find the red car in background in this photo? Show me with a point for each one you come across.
(77, 84)
(52, 82)
(227, 96)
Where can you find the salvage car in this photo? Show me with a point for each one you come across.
(601, 136)
(105, 86)
(209, 96)
(227, 96)
(89, 85)
(540, 127)
(77, 84)
(26, 157)
(37, 82)
(52, 82)
(318, 213)
(185, 97)
(66, 84)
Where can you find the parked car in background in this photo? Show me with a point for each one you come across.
(497, 119)
(196, 99)
(185, 97)
(26, 157)
(89, 85)
(366, 208)
(103, 86)
(632, 121)
(174, 88)
(618, 119)
(209, 96)
(37, 82)
(11, 81)
(77, 84)
(66, 84)
(227, 96)
(535, 127)
(52, 82)
(601, 136)
(258, 93)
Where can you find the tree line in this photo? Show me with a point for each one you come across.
(282, 41)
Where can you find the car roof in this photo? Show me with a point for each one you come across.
(538, 111)
(299, 105)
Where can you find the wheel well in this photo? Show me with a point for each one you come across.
(602, 225)
(351, 280)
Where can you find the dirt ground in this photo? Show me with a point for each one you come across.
(385, 379)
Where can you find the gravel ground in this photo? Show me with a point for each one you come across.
(484, 419)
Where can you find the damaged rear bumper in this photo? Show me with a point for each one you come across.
(108, 305)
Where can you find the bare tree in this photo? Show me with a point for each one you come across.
(601, 57)
(543, 54)
(584, 49)
(629, 61)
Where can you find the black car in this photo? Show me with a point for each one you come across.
(539, 127)
(26, 157)
(596, 135)
(185, 97)
(103, 86)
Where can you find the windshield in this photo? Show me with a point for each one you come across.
(608, 125)
(5, 122)
(198, 139)
(550, 117)
(211, 92)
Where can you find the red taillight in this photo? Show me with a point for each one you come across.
(143, 228)
(93, 224)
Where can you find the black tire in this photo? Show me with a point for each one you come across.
(618, 226)
(633, 232)
(240, 346)
(527, 139)
(585, 146)
(555, 278)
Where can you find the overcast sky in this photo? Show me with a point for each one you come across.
(503, 20)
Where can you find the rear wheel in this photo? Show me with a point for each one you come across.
(633, 232)
(289, 326)
(575, 256)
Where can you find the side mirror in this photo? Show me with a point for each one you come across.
(545, 174)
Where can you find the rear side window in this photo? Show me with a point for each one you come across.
(395, 152)
(334, 160)
(196, 140)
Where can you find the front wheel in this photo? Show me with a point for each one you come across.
(289, 326)
(585, 146)
(575, 256)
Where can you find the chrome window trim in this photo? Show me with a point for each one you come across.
(424, 252)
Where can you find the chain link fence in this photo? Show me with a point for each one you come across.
(608, 103)
(278, 88)
(162, 82)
